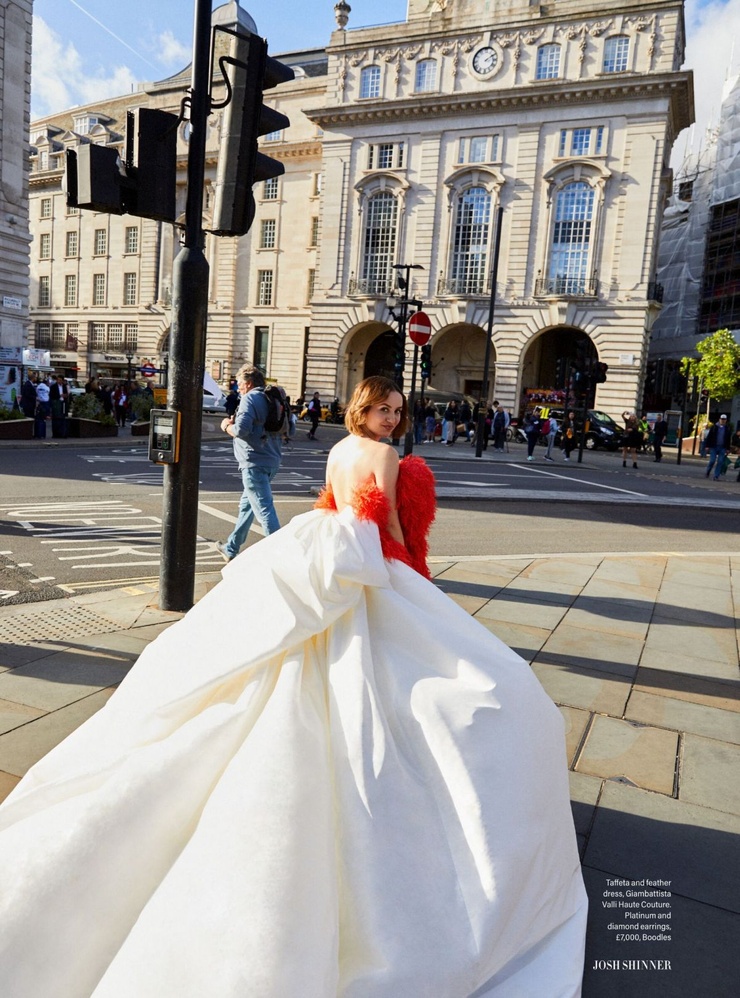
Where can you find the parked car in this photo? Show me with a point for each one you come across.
(603, 431)
(213, 403)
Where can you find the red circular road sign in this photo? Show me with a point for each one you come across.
(420, 328)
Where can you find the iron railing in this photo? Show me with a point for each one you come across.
(566, 287)
(461, 287)
(655, 291)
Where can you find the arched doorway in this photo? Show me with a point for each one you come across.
(554, 368)
(458, 355)
(366, 350)
(380, 357)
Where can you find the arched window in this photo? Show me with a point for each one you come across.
(379, 242)
(616, 53)
(548, 62)
(470, 241)
(571, 240)
(370, 82)
(426, 76)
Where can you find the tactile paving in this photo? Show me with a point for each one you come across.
(53, 625)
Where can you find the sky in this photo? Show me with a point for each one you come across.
(85, 50)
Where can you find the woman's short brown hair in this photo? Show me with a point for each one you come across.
(369, 392)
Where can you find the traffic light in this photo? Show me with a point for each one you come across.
(142, 183)
(399, 354)
(705, 393)
(600, 373)
(240, 164)
(426, 362)
(561, 372)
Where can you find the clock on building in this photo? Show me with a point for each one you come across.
(485, 61)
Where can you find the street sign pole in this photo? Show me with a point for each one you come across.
(420, 332)
(482, 408)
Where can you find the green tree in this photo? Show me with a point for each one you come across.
(718, 365)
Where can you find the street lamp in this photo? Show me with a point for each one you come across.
(481, 427)
(129, 358)
(400, 345)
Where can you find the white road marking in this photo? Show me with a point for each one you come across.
(553, 474)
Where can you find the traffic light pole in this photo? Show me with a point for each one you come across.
(187, 347)
(483, 407)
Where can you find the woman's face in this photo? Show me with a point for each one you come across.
(382, 418)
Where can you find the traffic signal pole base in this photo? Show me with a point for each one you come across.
(180, 496)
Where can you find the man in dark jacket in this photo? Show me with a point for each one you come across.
(718, 443)
(660, 431)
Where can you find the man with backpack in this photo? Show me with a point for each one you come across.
(257, 429)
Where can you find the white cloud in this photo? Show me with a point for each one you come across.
(59, 79)
(170, 51)
(712, 29)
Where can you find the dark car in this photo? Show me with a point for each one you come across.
(602, 431)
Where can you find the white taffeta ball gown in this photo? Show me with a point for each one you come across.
(326, 780)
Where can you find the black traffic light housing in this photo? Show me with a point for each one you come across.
(240, 164)
(600, 370)
(399, 353)
(142, 184)
(426, 361)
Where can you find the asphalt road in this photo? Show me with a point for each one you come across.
(77, 517)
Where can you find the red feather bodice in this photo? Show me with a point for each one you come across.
(416, 511)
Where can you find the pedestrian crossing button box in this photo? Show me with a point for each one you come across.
(164, 436)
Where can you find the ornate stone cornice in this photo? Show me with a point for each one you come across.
(676, 86)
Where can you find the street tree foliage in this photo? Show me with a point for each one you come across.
(718, 365)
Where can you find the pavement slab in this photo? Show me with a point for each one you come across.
(560, 570)
(645, 572)
(13, 715)
(542, 591)
(709, 774)
(701, 574)
(471, 604)
(606, 589)
(7, 783)
(525, 641)
(580, 645)
(692, 689)
(645, 756)
(61, 679)
(576, 722)
(24, 746)
(578, 687)
(680, 715)
(521, 611)
(584, 795)
(639, 834)
(703, 651)
(617, 615)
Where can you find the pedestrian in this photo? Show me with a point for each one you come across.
(552, 432)
(499, 427)
(258, 452)
(58, 401)
(449, 423)
(120, 400)
(326, 772)
(644, 427)
(430, 422)
(631, 439)
(532, 426)
(314, 414)
(28, 397)
(568, 434)
(660, 431)
(43, 408)
(718, 443)
(466, 418)
(231, 404)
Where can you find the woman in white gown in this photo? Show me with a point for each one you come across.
(362, 794)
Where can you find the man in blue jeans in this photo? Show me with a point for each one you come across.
(258, 453)
(718, 443)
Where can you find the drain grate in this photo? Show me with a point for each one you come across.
(53, 625)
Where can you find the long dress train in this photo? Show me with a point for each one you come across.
(326, 780)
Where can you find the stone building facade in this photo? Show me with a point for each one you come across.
(15, 96)
(404, 141)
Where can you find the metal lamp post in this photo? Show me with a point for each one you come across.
(402, 320)
(129, 373)
(481, 428)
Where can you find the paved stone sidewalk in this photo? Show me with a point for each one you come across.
(640, 652)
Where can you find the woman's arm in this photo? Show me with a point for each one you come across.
(386, 477)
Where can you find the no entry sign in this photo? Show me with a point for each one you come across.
(420, 328)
